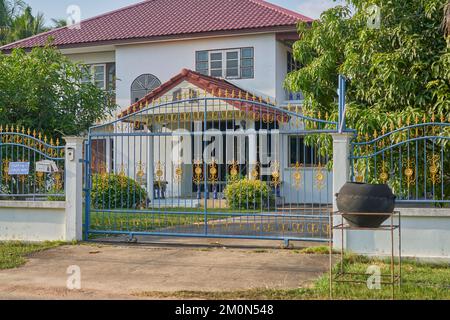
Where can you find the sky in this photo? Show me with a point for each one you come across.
(90, 8)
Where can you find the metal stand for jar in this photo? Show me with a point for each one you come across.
(395, 276)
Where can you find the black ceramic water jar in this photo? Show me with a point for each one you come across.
(366, 205)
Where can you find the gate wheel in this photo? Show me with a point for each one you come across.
(287, 245)
(132, 239)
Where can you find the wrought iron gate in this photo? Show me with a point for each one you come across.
(31, 165)
(411, 159)
(216, 167)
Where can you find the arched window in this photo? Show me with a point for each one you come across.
(142, 85)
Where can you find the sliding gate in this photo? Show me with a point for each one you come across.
(216, 167)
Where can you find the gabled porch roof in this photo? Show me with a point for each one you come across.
(218, 88)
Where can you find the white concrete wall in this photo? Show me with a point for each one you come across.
(32, 221)
(425, 234)
(166, 59)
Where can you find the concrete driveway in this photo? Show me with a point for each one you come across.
(121, 271)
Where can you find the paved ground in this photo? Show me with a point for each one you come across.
(122, 271)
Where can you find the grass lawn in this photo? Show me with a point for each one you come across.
(13, 254)
(422, 281)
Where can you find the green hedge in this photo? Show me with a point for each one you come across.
(245, 194)
(112, 191)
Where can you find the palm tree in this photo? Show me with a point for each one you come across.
(27, 25)
(9, 10)
(59, 23)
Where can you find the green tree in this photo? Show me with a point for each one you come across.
(59, 23)
(9, 11)
(44, 90)
(26, 25)
(398, 71)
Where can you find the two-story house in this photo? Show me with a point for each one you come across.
(137, 48)
(163, 48)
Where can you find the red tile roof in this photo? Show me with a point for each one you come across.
(214, 86)
(153, 19)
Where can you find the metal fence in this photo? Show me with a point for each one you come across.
(411, 159)
(31, 165)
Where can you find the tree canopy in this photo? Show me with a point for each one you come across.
(396, 72)
(17, 21)
(44, 90)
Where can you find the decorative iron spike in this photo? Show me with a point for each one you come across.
(1, 128)
(424, 119)
(442, 118)
(226, 93)
(433, 117)
(57, 141)
(417, 119)
(408, 121)
(29, 132)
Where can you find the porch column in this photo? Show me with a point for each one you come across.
(341, 175)
(198, 141)
(150, 167)
(252, 147)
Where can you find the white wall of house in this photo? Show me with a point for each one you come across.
(166, 59)
(281, 71)
(93, 57)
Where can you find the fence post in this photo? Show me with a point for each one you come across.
(341, 174)
(74, 188)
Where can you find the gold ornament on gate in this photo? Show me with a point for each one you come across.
(320, 177)
(6, 175)
(179, 172)
(434, 168)
(384, 175)
(140, 172)
(159, 173)
(409, 173)
(297, 175)
(276, 176)
(198, 171)
(213, 172)
(234, 170)
(255, 171)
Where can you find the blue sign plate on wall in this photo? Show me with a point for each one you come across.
(19, 168)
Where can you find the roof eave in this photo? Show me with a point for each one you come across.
(187, 36)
